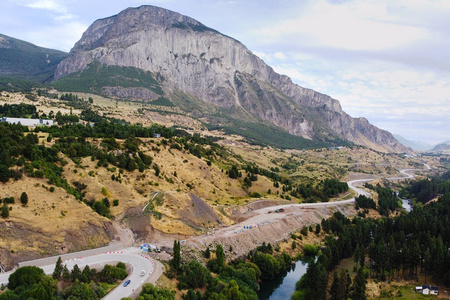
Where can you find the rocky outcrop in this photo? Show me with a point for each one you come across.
(134, 93)
(219, 70)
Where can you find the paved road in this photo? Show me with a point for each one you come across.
(153, 269)
(130, 256)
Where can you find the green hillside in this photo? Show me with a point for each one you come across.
(96, 76)
(24, 60)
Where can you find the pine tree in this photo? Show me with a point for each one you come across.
(65, 272)
(85, 275)
(362, 256)
(176, 260)
(343, 285)
(58, 269)
(356, 254)
(76, 273)
(334, 286)
(220, 256)
(359, 286)
(207, 253)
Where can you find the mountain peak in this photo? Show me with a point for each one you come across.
(132, 19)
(215, 78)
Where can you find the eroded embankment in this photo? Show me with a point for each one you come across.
(267, 226)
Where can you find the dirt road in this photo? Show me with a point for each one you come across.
(266, 225)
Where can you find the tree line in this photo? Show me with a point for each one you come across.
(391, 248)
(30, 282)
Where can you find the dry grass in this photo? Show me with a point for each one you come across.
(48, 221)
(55, 220)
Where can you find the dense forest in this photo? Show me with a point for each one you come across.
(388, 248)
(426, 189)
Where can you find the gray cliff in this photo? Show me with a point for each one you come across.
(217, 69)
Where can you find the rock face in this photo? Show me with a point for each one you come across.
(217, 69)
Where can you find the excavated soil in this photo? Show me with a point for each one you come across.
(267, 226)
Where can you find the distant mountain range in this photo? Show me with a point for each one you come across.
(156, 55)
(445, 146)
(421, 146)
(415, 145)
(27, 61)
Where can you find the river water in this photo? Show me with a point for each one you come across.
(283, 286)
(406, 205)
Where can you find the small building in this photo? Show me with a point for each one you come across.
(157, 135)
(427, 290)
(28, 122)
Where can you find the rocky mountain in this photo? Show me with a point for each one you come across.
(210, 76)
(21, 59)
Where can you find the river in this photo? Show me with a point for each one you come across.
(407, 205)
(282, 287)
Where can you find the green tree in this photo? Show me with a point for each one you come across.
(339, 289)
(66, 273)
(334, 286)
(207, 253)
(24, 198)
(86, 274)
(358, 289)
(25, 276)
(268, 265)
(318, 228)
(82, 291)
(151, 292)
(176, 260)
(194, 275)
(220, 255)
(76, 273)
(234, 172)
(57, 272)
(5, 210)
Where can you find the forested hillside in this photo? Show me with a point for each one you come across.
(405, 247)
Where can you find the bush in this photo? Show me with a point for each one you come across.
(194, 275)
(310, 250)
(268, 265)
(111, 274)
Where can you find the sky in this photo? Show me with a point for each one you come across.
(385, 60)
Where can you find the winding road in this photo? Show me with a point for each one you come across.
(132, 257)
(138, 262)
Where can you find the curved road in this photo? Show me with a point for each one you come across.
(153, 268)
(262, 216)
(130, 256)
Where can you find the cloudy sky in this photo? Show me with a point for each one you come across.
(385, 60)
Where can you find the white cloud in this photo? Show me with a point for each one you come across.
(280, 55)
(51, 5)
(384, 60)
(57, 8)
(360, 25)
(61, 37)
(396, 98)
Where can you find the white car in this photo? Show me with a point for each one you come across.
(143, 273)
